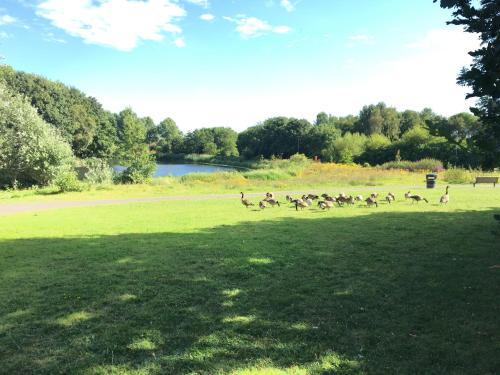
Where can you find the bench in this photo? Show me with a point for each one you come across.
(486, 180)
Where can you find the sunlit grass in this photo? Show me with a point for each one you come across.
(209, 287)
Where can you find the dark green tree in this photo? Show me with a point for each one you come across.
(483, 76)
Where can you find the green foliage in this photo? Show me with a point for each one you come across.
(31, 151)
(166, 138)
(213, 141)
(427, 164)
(344, 149)
(67, 181)
(455, 175)
(97, 171)
(139, 170)
(483, 76)
(80, 119)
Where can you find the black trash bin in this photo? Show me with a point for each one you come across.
(431, 180)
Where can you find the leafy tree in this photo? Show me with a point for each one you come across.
(410, 120)
(166, 138)
(379, 119)
(212, 141)
(131, 135)
(483, 76)
(344, 149)
(459, 129)
(80, 119)
(31, 151)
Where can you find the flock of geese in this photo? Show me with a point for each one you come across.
(327, 202)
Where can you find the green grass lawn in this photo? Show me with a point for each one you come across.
(209, 287)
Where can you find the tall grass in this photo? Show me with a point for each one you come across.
(426, 164)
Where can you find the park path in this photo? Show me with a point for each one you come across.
(20, 207)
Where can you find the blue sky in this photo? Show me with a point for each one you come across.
(237, 62)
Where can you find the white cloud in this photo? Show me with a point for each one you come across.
(207, 17)
(4, 35)
(204, 3)
(6, 19)
(287, 4)
(179, 42)
(120, 24)
(250, 27)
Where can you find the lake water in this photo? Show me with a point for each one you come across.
(183, 169)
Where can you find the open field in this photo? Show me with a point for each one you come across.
(209, 287)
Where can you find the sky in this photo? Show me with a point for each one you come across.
(237, 62)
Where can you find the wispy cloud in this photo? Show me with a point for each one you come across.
(251, 27)
(207, 17)
(287, 4)
(203, 3)
(6, 19)
(180, 42)
(120, 24)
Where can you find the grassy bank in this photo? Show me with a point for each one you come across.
(213, 288)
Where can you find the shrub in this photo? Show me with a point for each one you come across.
(31, 151)
(67, 180)
(420, 165)
(97, 171)
(140, 170)
(458, 176)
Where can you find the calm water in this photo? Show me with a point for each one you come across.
(183, 169)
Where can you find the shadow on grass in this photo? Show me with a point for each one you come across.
(399, 293)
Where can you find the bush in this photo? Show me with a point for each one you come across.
(420, 165)
(68, 181)
(140, 170)
(97, 171)
(31, 151)
(458, 176)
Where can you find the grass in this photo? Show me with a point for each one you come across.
(209, 287)
(274, 175)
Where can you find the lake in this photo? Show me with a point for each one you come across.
(183, 169)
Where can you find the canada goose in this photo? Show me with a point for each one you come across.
(289, 198)
(389, 198)
(350, 200)
(371, 201)
(325, 204)
(301, 204)
(272, 202)
(312, 196)
(245, 202)
(392, 196)
(307, 200)
(359, 198)
(269, 195)
(408, 195)
(374, 195)
(327, 197)
(418, 198)
(262, 205)
(446, 197)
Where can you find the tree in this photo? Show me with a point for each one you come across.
(166, 138)
(31, 151)
(80, 119)
(131, 135)
(379, 119)
(483, 76)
